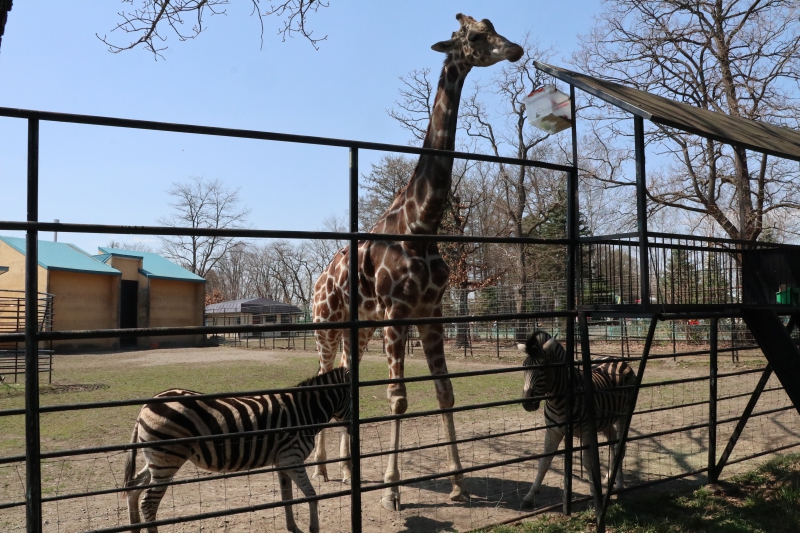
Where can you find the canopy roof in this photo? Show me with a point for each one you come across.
(750, 134)
(153, 265)
(62, 256)
(256, 306)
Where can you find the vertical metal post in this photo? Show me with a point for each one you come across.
(712, 404)
(355, 430)
(588, 415)
(572, 251)
(33, 473)
(641, 212)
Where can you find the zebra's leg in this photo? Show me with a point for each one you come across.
(133, 495)
(364, 336)
(327, 344)
(552, 438)
(432, 336)
(300, 478)
(398, 403)
(612, 432)
(162, 467)
(320, 454)
(286, 495)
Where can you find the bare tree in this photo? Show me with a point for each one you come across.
(202, 204)
(381, 186)
(527, 197)
(736, 57)
(149, 22)
(5, 7)
(133, 246)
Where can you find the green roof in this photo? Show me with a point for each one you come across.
(153, 265)
(62, 256)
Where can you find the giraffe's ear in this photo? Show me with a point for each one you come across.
(443, 46)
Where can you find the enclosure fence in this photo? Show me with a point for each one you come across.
(675, 430)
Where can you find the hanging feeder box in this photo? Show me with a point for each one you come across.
(549, 109)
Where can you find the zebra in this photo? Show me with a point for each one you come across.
(186, 417)
(611, 406)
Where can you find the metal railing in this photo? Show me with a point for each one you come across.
(596, 261)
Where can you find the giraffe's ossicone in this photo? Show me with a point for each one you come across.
(402, 279)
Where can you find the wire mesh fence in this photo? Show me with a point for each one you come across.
(690, 408)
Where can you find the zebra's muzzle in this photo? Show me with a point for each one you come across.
(531, 405)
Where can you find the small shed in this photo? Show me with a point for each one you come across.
(253, 311)
(155, 292)
(85, 291)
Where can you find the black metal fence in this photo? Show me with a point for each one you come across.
(12, 320)
(678, 430)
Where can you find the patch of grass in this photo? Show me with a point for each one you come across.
(101, 377)
(767, 501)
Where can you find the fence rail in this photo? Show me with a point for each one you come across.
(681, 274)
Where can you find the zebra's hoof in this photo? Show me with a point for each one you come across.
(391, 502)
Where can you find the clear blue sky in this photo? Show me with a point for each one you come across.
(51, 60)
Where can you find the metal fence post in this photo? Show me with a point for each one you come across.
(641, 212)
(33, 472)
(712, 404)
(355, 430)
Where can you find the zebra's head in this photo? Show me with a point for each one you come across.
(540, 348)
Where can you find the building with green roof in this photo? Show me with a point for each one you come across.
(118, 288)
(155, 292)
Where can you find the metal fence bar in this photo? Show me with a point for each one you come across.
(265, 136)
(712, 405)
(33, 473)
(355, 353)
(589, 432)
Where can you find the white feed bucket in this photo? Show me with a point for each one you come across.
(548, 109)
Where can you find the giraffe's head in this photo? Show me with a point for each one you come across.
(476, 44)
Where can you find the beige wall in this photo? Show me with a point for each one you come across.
(84, 301)
(129, 267)
(14, 279)
(174, 304)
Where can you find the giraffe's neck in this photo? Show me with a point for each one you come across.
(420, 205)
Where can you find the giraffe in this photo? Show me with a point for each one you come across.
(407, 279)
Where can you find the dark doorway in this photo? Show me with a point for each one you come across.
(128, 309)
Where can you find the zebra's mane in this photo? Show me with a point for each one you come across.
(320, 378)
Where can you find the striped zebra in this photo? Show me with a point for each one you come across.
(186, 417)
(611, 405)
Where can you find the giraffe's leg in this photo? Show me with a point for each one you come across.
(286, 495)
(432, 336)
(398, 403)
(300, 478)
(552, 438)
(364, 336)
(327, 343)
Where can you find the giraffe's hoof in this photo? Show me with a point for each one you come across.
(346, 481)
(391, 502)
(459, 494)
(320, 476)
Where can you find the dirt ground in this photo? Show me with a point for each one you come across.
(496, 494)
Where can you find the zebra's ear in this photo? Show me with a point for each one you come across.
(557, 337)
(550, 344)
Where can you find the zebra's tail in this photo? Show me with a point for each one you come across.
(130, 460)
